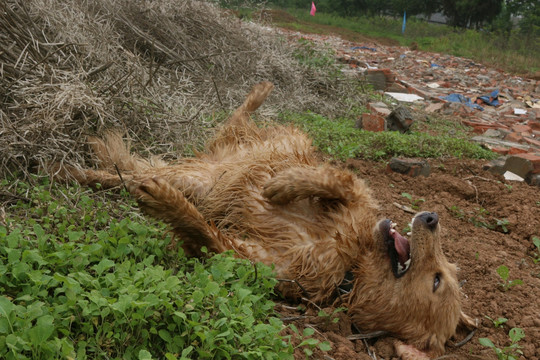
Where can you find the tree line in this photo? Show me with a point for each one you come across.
(500, 15)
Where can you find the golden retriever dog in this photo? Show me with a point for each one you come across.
(262, 192)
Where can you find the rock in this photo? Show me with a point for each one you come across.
(524, 165)
(411, 167)
(493, 133)
(511, 176)
(534, 180)
(400, 119)
(496, 166)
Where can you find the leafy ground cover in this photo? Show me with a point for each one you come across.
(339, 138)
(84, 275)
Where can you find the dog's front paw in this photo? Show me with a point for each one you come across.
(409, 352)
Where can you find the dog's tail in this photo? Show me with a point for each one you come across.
(116, 164)
(112, 154)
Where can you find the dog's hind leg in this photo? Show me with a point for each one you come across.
(326, 183)
(239, 128)
(160, 200)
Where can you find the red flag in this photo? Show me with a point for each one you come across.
(313, 9)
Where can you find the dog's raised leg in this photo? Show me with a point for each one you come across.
(239, 128)
(299, 183)
(157, 198)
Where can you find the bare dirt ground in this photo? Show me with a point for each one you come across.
(469, 202)
(487, 222)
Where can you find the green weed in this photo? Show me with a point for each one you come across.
(307, 342)
(330, 317)
(504, 273)
(497, 322)
(84, 276)
(479, 219)
(457, 212)
(502, 223)
(510, 352)
(415, 203)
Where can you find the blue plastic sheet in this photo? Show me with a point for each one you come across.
(463, 100)
(491, 99)
(363, 48)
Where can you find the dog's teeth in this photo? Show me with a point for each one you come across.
(393, 225)
(407, 264)
(392, 231)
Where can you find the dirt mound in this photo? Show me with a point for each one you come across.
(158, 69)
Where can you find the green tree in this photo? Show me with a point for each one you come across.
(528, 11)
(414, 7)
(468, 13)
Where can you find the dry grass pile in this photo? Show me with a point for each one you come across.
(158, 69)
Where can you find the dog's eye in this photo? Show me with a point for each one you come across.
(436, 282)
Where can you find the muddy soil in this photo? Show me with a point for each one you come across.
(487, 222)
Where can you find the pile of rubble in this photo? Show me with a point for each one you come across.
(503, 109)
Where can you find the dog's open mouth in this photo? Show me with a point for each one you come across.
(399, 249)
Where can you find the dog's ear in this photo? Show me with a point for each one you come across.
(467, 322)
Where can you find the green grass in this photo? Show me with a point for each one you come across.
(84, 275)
(513, 53)
(342, 140)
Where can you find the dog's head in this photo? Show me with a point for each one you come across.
(407, 287)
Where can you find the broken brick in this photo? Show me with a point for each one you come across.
(372, 122)
(395, 87)
(379, 108)
(515, 150)
(500, 150)
(434, 107)
(532, 141)
(514, 137)
(380, 79)
(520, 128)
(535, 125)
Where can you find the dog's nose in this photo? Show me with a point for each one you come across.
(431, 219)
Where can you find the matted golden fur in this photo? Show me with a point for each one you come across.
(263, 193)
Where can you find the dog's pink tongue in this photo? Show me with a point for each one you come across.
(402, 247)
